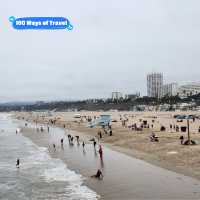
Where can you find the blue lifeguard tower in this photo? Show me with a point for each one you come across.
(103, 120)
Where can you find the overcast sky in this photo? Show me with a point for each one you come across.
(114, 44)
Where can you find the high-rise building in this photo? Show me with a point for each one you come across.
(170, 89)
(154, 85)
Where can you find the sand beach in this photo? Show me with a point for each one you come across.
(167, 153)
(131, 160)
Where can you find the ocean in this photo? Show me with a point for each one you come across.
(40, 176)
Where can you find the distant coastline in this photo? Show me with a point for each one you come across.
(139, 104)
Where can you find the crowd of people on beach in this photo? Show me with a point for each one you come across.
(142, 124)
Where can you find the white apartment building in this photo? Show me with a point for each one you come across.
(155, 85)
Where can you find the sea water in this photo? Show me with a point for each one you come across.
(39, 175)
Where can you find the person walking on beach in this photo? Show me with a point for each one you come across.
(94, 143)
(99, 134)
(77, 138)
(18, 162)
(72, 139)
(171, 127)
(83, 144)
(182, 139)
(54, 146)
(69, 137)
(100, 152)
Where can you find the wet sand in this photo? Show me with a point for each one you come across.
(124, 176)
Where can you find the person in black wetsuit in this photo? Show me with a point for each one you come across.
(18, 162)
(61, 141)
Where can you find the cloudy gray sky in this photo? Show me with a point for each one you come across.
(114, 44)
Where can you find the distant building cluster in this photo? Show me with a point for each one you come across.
(132, 96)
(188, 90)
(119, 95)
(156, 88)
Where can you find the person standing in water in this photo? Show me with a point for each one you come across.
(18, 162)
(83, 144)
(61, 141)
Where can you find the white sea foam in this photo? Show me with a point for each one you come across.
(54, 170)
(75, 187)
(59, 172)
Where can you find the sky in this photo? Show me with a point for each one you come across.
(113, 45)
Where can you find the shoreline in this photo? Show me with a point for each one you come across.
(156, 158)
